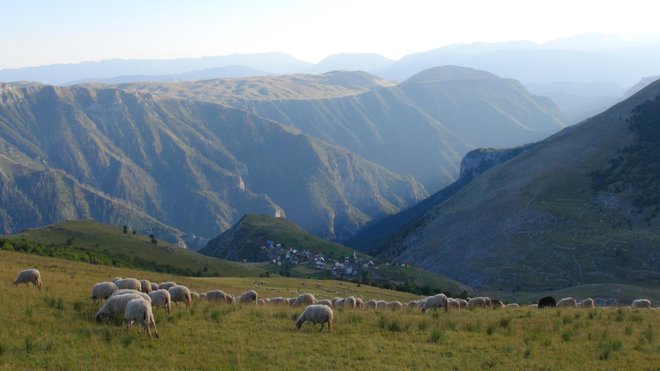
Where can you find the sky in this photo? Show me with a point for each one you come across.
(39, 32)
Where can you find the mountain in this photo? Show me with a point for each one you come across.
(644, 82)
(195, 166)
(372, 63)
(103, 244)
(580, 207)
(276, 63)
(442, 113)
(261, 238)
(205, 74)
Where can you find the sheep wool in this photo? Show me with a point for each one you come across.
(161, 298)
(304, 300)
(641, 303)
(316, 314)
(29, 276)
(166, 285)
(103, 290)
(129, 283)
(435, 301)
(180, 293)
(139, 310)
(115, 306)
(145, 286)
(131, 292)
(567, 303)
(248, 297)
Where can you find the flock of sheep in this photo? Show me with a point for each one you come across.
(134, 299)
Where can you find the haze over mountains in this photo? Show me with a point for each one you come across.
(582, 206)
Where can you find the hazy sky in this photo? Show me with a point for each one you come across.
(37, 32)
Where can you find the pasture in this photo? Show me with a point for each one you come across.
(54, 328)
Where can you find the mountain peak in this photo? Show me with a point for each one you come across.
(450, 73)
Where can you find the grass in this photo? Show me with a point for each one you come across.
(54, 328)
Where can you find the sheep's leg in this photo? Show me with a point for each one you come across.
(153, 322)
(322, 326)
(329, 326)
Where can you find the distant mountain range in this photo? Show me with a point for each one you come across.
(580, 207)
(331, 152)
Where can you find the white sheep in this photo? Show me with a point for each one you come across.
(533, 306)
(350, 303)
(316, 314)
(304, 299)
(180, 293)
(115, 306)
(202, 296)
(394, 305)
(587, 303)
(166, 285)
(130, 292)
(103, 290)
(154, 286)
(327, 302)
(29, 276)
(139, 310)
(453, 303)
(194, 295)
(371, 304)
(381, 304)
(478, 302)
(359, 303)
(435, 301)
(161, 298)
(513, 305)
(462, 303)
(278, 301)
(145, 286)
(219, 295)
(129, 283)
(261, 302)
(567, 303)
(248, 297)
(641, 303)
(489, 303)
(115, 279)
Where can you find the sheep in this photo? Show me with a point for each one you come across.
(587, 303)
(139, 310)
(335, 300)
(381, 304)
(261, 302)
(129, 291)
(371, 304)
(161, 298)
(489, 303)
(327, 302)
(478, 302)
(641, 303)
(339, 303)
(115, 279)
(349, 302)
(248, 297)
(316, 314)
(435, 301)
(513, 305)
(547, 302)
(567, 303)
(277, 301)
(154, 286)
(497, 304)
(29, 276)
(115, 306)
(304, 299)
(180, 293)
(202, 296)
(145, 286)
(462, 303)
(166, 285)
(394, 305)
(219, 295)
(129, 283)
(453, 303)
(103, 290)
(194, 295)
(533, 306)
(420, 303)
(359, 303)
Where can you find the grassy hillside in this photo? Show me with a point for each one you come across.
(54, 328)
(105, 244)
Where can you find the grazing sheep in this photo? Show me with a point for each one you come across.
(327, 302)
(219, 295)
(261, 302)
(103, 290)
(139, 310)
(371, 304)
(335, 300)
(380, 304)
(161, 298)
(116, 279)
(435, 301)
(567, 303)
(587, 303)
(394, 305)
(462, 303)
(129, 283)
(533, 306)
(547, 302)
(29, 276)
(641, 303)
(453, 303)
(194, 295)
(154, 286)
(129, 291)
(338, 303)
(349, 303)
(180, 293)
(420, 303)
(115, 306)
(489, 303)
(359, 303)
(277, 301)
(316, 314)
(248, 297)
(166, 285)
(145, 286)
(202, 296)
(497, 304)
(478, 302)
(513, 305)
(304, 299)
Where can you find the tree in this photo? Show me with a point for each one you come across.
(153, 239)
(125, 229)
